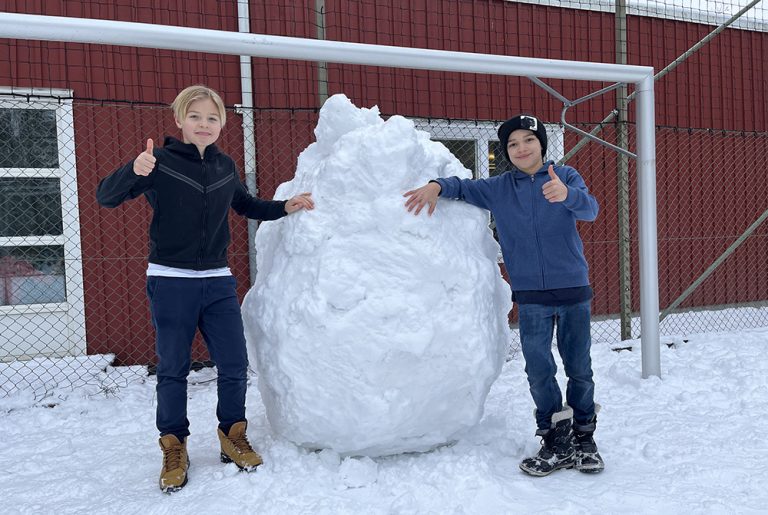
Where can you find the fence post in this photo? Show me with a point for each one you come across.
(622, 165)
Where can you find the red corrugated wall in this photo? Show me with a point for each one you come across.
(721, 87)
(114, 241)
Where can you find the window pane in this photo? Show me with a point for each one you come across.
(497, 162)
(28, 138)
(30, 207)
(464, 150)
(32, 275)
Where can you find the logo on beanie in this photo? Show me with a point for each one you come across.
(529, 122)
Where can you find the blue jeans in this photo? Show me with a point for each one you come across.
(180, 306)
(537, 323)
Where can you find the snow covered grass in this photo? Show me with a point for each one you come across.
(689, 442)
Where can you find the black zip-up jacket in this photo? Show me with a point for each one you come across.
(190, 197)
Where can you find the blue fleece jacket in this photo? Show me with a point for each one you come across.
(541, 246)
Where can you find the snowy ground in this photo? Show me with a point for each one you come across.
(689, 442)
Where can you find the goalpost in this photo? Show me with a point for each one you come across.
(78, 30)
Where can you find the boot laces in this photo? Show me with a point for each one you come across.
(241, 443)
(586, 442)
(546, 451)
(172, 457)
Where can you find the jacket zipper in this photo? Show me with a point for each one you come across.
(536, 231)
(205, 212)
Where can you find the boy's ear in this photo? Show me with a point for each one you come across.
(178, 123)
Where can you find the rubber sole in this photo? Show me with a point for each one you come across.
(227, 459)
(539, 473)
(170, 489)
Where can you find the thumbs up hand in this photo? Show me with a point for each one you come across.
(145, 162)
(555, 190)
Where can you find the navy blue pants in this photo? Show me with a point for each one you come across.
(180, 306)
(537, 323)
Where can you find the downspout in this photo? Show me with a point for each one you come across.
(322, 66)
(249, 131)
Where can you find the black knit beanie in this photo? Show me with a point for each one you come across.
(523, 121)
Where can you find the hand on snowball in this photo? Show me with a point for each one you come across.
(419, 197)
(555, 190)
(303, 201)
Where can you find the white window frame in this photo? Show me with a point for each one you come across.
(483, 132)
(72, 310)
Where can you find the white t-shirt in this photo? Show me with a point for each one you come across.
(169, 271)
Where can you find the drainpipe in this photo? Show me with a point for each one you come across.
(249, 131)
(322, 67)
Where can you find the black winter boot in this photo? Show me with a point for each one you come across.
(556, 447)
(587, 459)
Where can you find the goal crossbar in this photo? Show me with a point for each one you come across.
(108, 32)
(81, 30)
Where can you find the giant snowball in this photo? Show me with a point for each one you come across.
(375, 331)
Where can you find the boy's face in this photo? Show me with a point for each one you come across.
(201, 125)
(525, 150)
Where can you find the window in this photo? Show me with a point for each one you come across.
(41, 289)
(476, 145)
(31, 225)
(465, 150)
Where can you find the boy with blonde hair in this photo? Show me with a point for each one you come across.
(191, 186)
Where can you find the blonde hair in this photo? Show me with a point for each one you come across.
(190, 94)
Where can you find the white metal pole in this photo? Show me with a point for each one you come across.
(646, 196)
(79, 30)
(249, 131)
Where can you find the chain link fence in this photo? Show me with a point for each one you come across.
(72, 274)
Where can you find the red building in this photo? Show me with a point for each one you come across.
(73, 273)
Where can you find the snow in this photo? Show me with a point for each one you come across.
(375, 331)
(689, 442)
(79, 436)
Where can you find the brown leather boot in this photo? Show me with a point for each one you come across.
(236, 449)
(173, 476)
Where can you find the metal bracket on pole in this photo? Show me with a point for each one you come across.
(646, 166)
(671, 66)
(567, 104)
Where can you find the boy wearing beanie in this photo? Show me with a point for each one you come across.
(536, 205)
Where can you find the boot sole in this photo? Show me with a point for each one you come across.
(227, 459)
(595, 470)
(539, 473)
(595, 467)
(170, 489)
